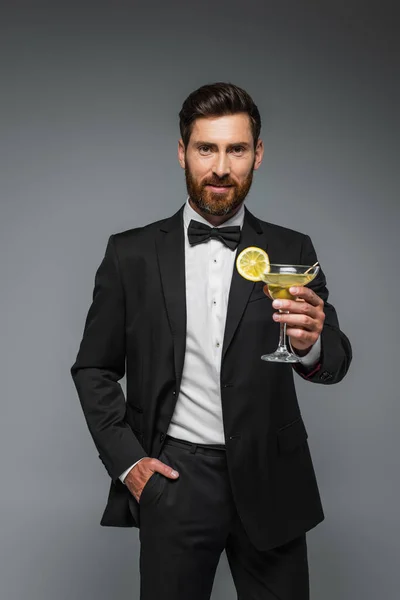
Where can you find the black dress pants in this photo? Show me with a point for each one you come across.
(185, 524)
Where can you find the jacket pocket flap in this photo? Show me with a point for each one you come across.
(291, 436)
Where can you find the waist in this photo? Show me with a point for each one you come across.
(193, 447)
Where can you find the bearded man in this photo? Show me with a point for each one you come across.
(208, 451)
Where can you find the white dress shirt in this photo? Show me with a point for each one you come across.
(208, 271)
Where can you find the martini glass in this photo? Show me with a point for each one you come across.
(279, 279)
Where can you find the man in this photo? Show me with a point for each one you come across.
(209, 451)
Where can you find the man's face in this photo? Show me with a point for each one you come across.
(219, 162)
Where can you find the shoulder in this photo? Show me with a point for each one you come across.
(148, 230)
(139, 238)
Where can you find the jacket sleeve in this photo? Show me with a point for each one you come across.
(336, 352)
(99, 366)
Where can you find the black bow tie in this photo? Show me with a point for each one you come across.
(199, 232)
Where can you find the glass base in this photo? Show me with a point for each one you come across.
(281, 355)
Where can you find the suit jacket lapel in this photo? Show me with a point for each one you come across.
(240, 290)
(171, 258)
(170, 244)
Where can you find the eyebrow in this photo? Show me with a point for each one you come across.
(212, 145)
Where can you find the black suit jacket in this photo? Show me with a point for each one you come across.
(137, 325)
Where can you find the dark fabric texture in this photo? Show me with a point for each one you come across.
(136, 325)
(185, 524)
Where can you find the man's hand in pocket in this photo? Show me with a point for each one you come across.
(139, 475)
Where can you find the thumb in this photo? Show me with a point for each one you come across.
(165, 470)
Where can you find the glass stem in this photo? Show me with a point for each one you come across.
(282, 334)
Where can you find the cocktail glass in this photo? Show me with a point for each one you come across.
(279, 279)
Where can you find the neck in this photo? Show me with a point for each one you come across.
(214, 220)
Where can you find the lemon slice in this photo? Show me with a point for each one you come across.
(252, 263)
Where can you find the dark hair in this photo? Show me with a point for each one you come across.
(217, 100)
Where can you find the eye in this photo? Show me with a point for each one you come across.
(238, 149)
(204, 149)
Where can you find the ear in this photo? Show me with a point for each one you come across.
(181, 153)
(259, 153)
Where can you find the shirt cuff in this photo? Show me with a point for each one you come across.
(125, 473)
(313, 355)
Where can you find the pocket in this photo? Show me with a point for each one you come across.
(152, 488)
(292, 436)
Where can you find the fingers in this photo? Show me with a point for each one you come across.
(139, 476)
(302, 321)
(164, 469)
(296, 307)
(306, 294)
(304, 316)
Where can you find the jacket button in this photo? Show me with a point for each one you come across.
(325, 376)
(162, 437)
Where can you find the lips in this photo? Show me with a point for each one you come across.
(219, 189)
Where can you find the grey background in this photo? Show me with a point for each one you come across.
(89, 101)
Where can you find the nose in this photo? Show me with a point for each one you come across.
(221, 166)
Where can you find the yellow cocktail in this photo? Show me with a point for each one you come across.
(279, 283)
(279, 279)
(254, 265)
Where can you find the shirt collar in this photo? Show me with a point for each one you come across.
(189, 213)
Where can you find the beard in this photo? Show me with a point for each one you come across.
(217, 204)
